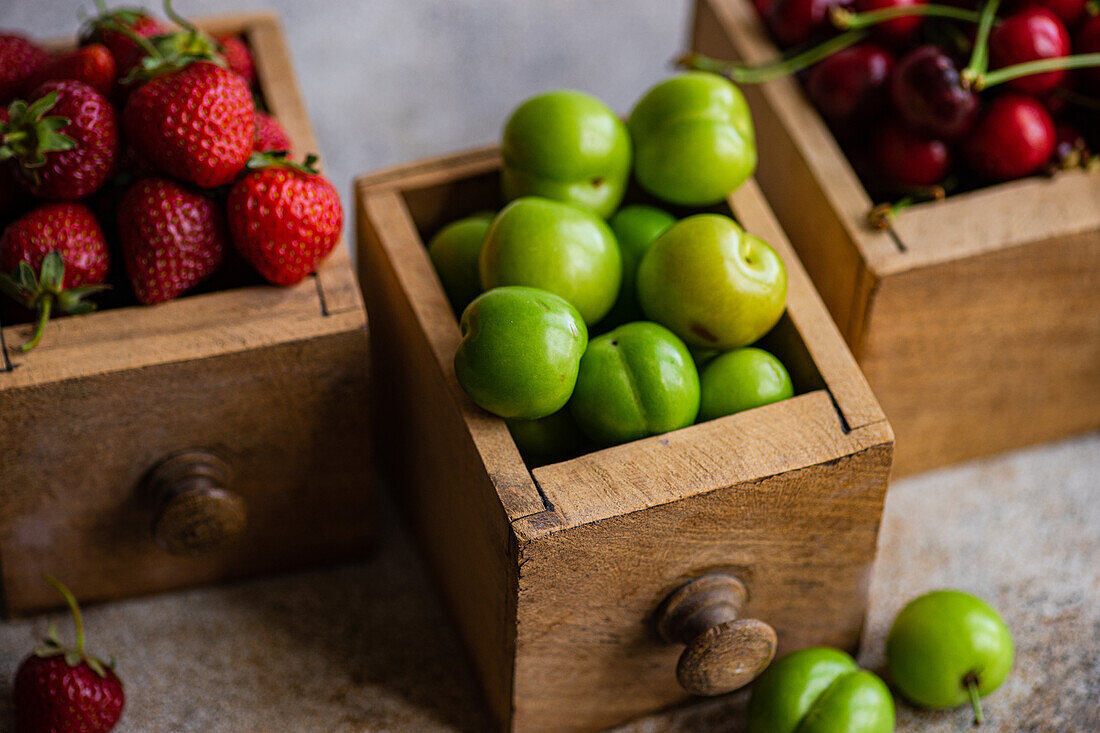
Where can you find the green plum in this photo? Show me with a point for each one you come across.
(556, 247)
(520, 351)
(566, 146)
(820, 690)
(634, 381)
(454, 251)
(693, 139)
(548, 439)
(712, 283)
(636, 227)
(946, 648)
(741, 380)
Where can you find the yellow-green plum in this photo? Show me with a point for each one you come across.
(636, 227)
(454, 251)
(634, 381)
(820, 690)
(740, 380)
(711, 283)
(548, 439)
(693, 139)
(557, 247)
(567, 146)
(520, 351)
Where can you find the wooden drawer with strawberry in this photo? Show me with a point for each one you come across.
(577, 584)
(974, 317)
(202, 424)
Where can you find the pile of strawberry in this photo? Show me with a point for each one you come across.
(146, 148)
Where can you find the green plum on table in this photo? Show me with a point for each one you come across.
(820, 690)
(634, 381)
(556, 247)
(566, 146)
(454, 251)
(520, 351)
(548, 439)
(946, 648)
(740, 380)
(714, 285)
(693, 139)
(636, 227)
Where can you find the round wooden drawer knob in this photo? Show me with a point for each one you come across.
(723, 652)
(197, 512)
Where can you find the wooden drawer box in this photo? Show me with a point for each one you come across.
(976, 319)
(258, 394)
(554, 575)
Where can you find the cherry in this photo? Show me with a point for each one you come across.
(896, 32)
(907, 159)
(1014, 137)
(764, 7)
(1030, 35)
(850, 85)
(1068, 11)
(928, 94)
(1088, 41)
(796, 21)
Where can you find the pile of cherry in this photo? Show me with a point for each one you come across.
(148, 147)
(927, 97)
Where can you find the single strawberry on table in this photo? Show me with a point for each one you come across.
(57, 255)
(62, 690)
(284, 217)
(20, 58)
(67, 154)
(172, 238)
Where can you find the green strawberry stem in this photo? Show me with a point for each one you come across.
(70, 599)
(971, 682)
(279, 159)
(1008, 73)
(979, 55)
(179, 19)
(846, 19)
(45, 305)
(30, 133)
(749, 74)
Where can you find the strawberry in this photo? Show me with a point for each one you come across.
(64, 244)
(171, 238)
(19, 60)
(284, 218)
(60, 690)
(68, 155)
(238, 57)
(12, 197)
(93, 64)
(108, 29)
(269, 135)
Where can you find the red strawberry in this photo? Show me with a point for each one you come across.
(195, 124)
(59, 690)
(69, 154)
(284, 218)
(269, 136)
(171, 238)
(12, 197)
(105, 29)
(238, 57)
(94, 65)
(65, 246)
(19, 60)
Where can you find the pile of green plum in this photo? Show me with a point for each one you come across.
(667, 296)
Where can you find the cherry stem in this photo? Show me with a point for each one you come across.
(881, 216)
(979, 56)
(845, 19)
(971, 682)
(749, 74)
(71, 600)
(45, 305)
(1008, 73)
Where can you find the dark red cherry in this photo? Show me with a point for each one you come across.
(1087, 40)
(1030, 35)
(907, 159)
(929, 96)
(796, 21)
(764, 7)
(896, 32)
(850, 86)
(1068, 11)
(1013, 137)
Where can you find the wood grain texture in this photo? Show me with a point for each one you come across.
(974, 318)
(272, 378)
(555, 576)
